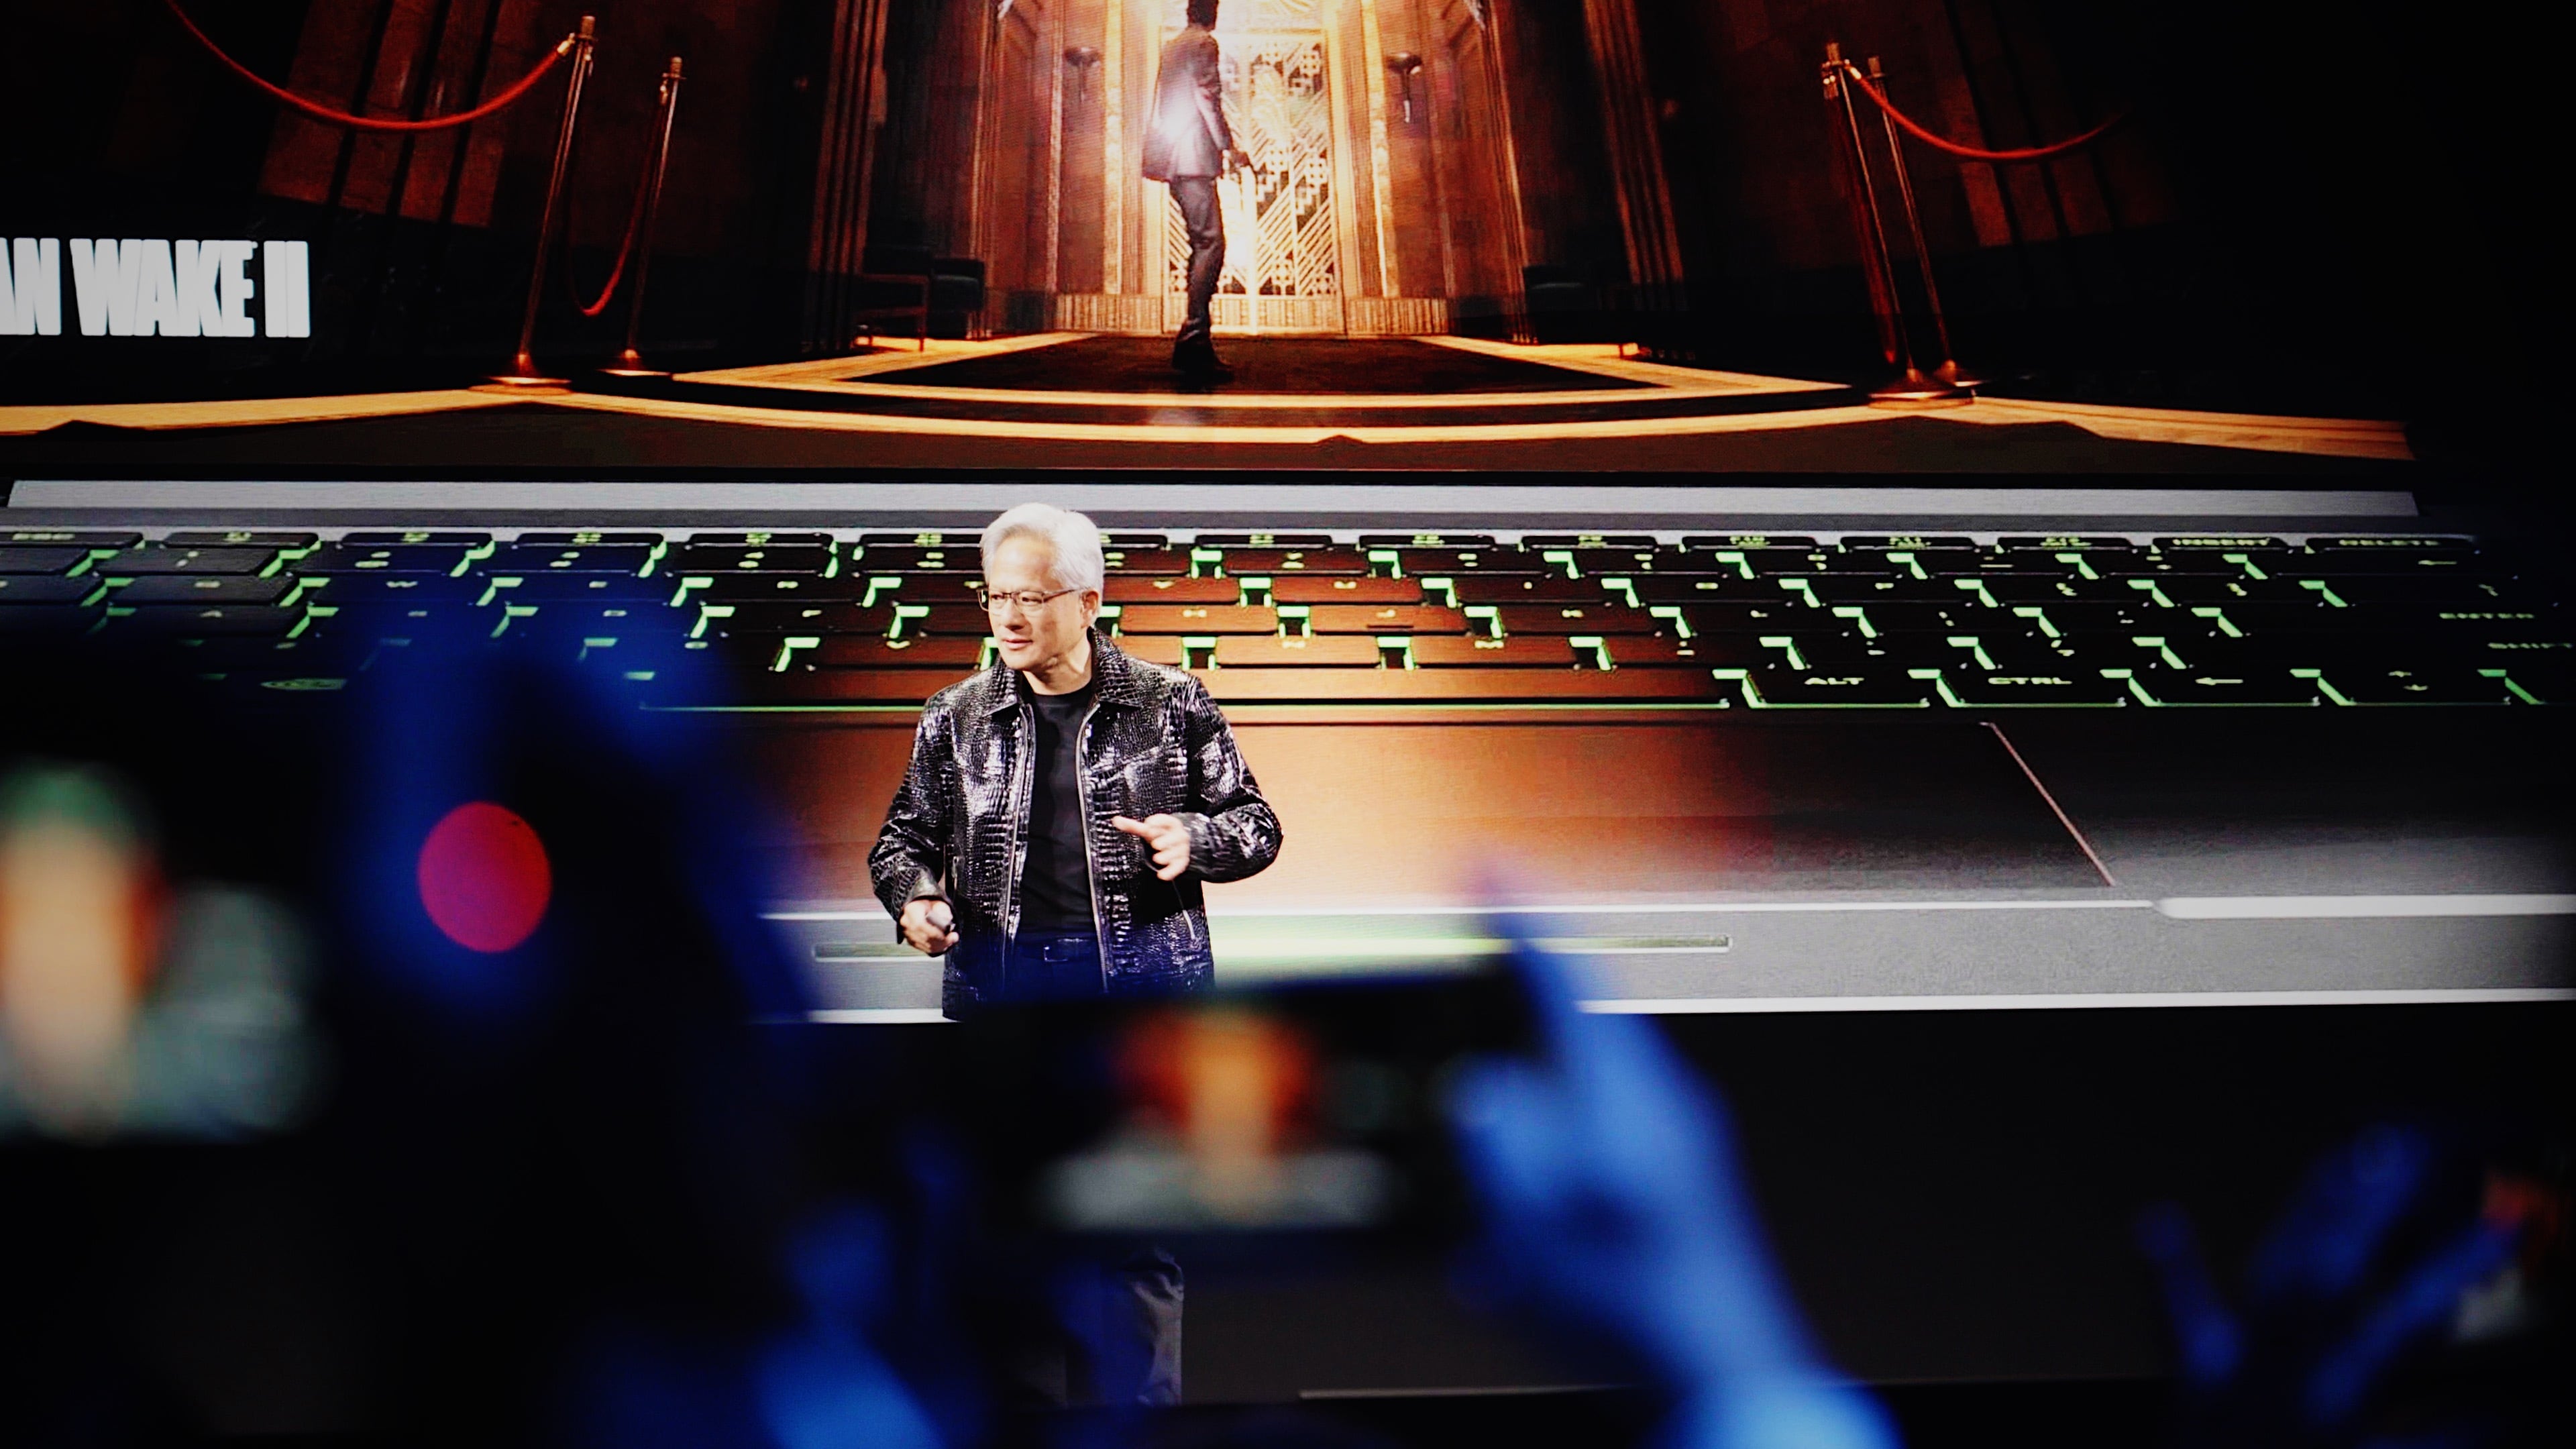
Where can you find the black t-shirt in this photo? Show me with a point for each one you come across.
(1055, 890)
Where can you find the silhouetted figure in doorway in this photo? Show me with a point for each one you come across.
(1189, 146)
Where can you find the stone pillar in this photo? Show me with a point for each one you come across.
(854, 107)
(1629, 123)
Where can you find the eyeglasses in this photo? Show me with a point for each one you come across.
(1029, 600)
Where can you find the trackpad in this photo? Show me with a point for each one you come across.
(1680, 808)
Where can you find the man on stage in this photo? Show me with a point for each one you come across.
(1189, 145)
(1050, 837)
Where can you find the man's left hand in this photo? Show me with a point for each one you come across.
(1166, 836)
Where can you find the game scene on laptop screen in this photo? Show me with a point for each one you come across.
(1598, 707)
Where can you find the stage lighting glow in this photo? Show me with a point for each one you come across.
(484, 877)
(75, 941)
(129, 1007)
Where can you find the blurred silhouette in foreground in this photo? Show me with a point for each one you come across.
(1612, 1199)
(584, 1141)
(390, 1066)
(2400, 1299)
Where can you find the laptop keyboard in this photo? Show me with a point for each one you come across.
(1877, 621)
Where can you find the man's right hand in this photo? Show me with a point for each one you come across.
(929, 926)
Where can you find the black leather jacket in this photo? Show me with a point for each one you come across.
(1152, 744)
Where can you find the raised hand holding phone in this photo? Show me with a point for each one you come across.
(1611, 1197)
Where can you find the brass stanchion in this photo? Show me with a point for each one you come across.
(1915, 385)
(1948, 371)
(1882, 292)
(630, 363)
(523, 367)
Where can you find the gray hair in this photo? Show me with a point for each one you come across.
(1074, 538)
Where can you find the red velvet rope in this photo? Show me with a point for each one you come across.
(1973, 153)
(625, 249)
(329, 116)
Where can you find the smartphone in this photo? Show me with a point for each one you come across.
(1310, 1110)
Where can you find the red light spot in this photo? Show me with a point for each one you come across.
(484, 877)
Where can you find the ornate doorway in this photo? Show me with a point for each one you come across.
(1282, 263)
